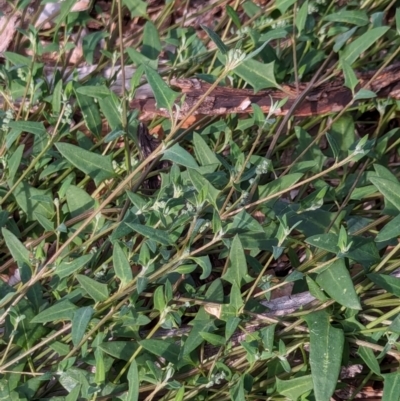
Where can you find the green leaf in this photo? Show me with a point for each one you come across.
(361, 44)
(213, 339)
(65, 10)
(18, 251)
(56, 98)
(65, 269)
(90, 113)
(166, 349)
(205, 264)
(63, 310)
(237, 270)
(33, 127)
(151, 47)
(327, 242)
(119, 349)
(100, 373)
(25, 196)
(78, 201)
(294, 388)
(364, 251)
(333, 145)
(391, 386)
(354, 17)
(139, 58)
(216, 39)
(398, 20)
(98, 91)
(122, 267)
(369, 358)
(389, 231)
(337, 283)
(233, 16)
(343, 132)
(258, 75)
(164, 95)
(204, 154)
(283, 5)
(202, 184)
(80, 322)
(18, 59)
(14, 162)
(389, 189)
(278, 33)
(137, 8)
(89, 44)
(350, 79)
(301, 17)
(315, 291)
(111, 108)
(28, 332)
(96, 290)
(159, 299)
(133, 380)
(157, 235)
(279, 184)
(388, 283)
(326, 349)
(96, 166)
(180, 156)
(364, 94)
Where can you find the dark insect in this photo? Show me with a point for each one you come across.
(147, 145)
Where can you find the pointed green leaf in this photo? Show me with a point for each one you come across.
(122, 267)
(65, 269)
(98, 91)
(283, 5)
(202, 184)
(389, 189)
(368, 356)
(151, 47)
(80, 322)
(204, 154)
(110, 106)
(167, 349)
(216, 39)
(32, 127)
(96, 290)
(180, 156)
(205, 264)
(389, 231)
(350, 78)
(301, 17)
(258, 75)
(237, 270)
(63, 310)
(388, 283)
(326, 349)
(133, 380)
(294, 388)
(361, 44)
(165, 96)
(337, 283)
(354, 17)
(90, 113)
(157, 235)
(18, 251)
(96, 166)
(391, 386)
(100, 373)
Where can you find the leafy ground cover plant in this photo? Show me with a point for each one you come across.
(116, 289)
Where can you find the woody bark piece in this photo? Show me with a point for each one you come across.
(326, 98)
